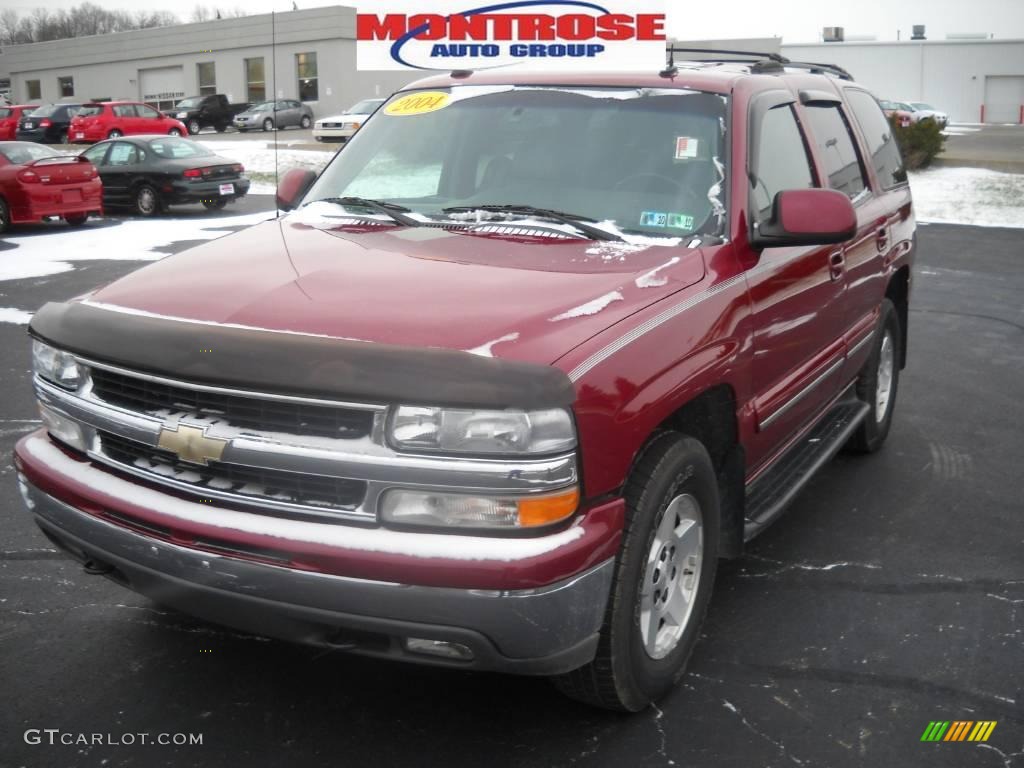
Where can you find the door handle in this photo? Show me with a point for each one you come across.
(882, 238)
(836, 264)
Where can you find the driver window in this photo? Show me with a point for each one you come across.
(147, 111)
(123, 154)
(782, 161)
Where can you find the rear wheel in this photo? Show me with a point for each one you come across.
(115, 134)
(214, 205)
(305, 122)
(878, 382)
(5, 217)
(77, 219)
(664, 575)
(220, 128)
(194, 127)
(147, 201)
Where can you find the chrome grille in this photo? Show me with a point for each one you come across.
(254, 484)
(293, 417)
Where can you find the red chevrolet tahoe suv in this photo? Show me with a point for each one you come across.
(515, 371)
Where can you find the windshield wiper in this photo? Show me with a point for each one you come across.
(395, 211)
(572, 219)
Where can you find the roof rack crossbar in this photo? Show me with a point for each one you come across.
(755, 55)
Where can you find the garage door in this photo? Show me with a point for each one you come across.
(162, 86)
(1004, 97)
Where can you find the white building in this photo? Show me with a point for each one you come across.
(307, 55)
(973, 81)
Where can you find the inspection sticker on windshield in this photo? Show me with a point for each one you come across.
(680, 221)
(686, 148)
(418, 103)
(653, 219)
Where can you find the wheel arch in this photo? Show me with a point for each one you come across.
(898, 292)
(711, 417)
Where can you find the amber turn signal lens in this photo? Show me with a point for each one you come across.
(544, 510)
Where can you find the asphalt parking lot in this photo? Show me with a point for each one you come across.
(891, 594)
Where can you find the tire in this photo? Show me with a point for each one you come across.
(220, 128)
(640, 656)
(214, 205)
(77, 219)
(268, 124)
(62, 138)
(193, 127)
(242, 130)
(174, 132)
(305, 122)
(883, 365)
(115, 134)
(146, 201)
(5, 216)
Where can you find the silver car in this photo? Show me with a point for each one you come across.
(268, 115)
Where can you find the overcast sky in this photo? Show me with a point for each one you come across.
(794, 20)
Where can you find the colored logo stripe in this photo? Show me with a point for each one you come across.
(958, 730)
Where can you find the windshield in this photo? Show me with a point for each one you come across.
(922, 105)
(189, 103)
(364, 107)
(18, 153)
(44, 111)
(174, 148)
(645, 161)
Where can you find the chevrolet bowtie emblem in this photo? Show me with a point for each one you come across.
(191, 444)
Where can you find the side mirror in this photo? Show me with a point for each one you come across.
(807, 217)
(293, 186)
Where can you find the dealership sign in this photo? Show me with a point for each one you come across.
(533, 34)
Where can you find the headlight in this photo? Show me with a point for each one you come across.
(55, 366)
(454, 510)
(453, 430)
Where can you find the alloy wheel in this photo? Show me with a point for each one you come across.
(883, 379)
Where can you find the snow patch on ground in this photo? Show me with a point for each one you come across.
(16, 316)
(40, 253)
(975, 196)
(590, 308)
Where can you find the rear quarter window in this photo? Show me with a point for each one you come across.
(883, 152)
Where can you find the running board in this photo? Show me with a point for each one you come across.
(770, 494)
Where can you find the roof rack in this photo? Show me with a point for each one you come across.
(759, 62)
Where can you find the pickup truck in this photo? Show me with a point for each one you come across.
(198, 112)
(491, 396)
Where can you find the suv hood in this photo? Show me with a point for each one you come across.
(528, 298)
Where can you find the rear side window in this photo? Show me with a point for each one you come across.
(781, 159)
(881, 144)
(6, 112)
(91, 110)
(835, 145)
(124, 110)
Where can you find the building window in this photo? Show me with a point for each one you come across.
(305, 66)
(255, 81)
(66, 86)
(35, 92)
(207, 78)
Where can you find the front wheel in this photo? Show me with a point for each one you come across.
(147, 202)
(305, 122)
(77, 219)
(194, 127)
(115, 134)
(664, 574)
(268, 124)
(174, 132)
(878, 382)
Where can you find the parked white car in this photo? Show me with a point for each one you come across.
(922, 111)
(342, 127)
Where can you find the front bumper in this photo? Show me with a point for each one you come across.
(541, 631)
(340, 134)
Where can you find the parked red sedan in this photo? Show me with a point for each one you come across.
(112, 119)
(9, 117)
(37, 182)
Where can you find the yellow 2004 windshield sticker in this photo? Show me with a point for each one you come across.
(418, 103)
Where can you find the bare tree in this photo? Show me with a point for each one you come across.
(82, 20)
